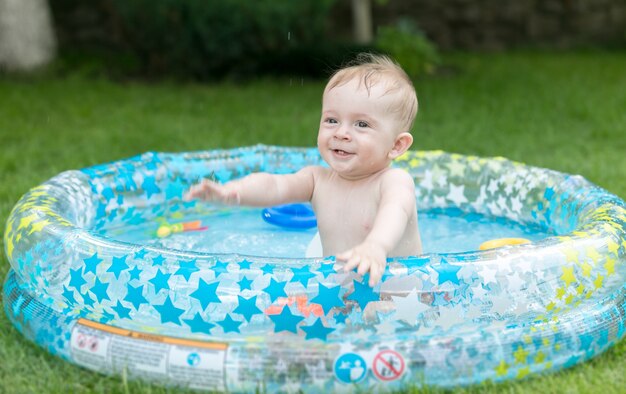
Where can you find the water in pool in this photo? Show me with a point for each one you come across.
(244, 231)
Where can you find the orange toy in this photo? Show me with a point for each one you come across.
(301, 302)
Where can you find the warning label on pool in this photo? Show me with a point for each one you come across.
(195, 364)
(388, 365)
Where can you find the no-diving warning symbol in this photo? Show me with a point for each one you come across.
(388, 365)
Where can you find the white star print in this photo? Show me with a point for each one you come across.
(456, 194)
(409, 307)
(427, 181)
(488, 275)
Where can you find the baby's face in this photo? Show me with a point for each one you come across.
(357, 130)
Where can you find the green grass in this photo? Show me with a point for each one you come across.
(565, 111)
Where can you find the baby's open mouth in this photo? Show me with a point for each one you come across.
(340, 152)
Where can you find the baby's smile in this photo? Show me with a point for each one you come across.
(341, 153)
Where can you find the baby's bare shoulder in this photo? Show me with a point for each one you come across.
(398, 186)
(314, 171)
(317, 172)
(397, 177)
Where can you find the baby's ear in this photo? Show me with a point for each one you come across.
(402, 143)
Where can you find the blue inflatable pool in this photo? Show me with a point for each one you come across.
(229, 320)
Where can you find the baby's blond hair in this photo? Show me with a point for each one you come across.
(371, 69)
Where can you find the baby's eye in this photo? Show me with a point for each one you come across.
(330, 120)
(362, 124)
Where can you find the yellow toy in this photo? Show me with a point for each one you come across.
(499, 242)
(167, 229)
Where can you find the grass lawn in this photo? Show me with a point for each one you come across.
(565, 111)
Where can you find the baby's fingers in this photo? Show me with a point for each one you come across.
(345, 256)
(231, 198)
(364, 266)
(194, 192)
(351, 260)
(375, 275)
(197, 190)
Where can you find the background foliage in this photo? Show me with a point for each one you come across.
(204, 40)
(200, 40)
(407, 45)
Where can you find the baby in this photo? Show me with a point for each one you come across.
(365, 209)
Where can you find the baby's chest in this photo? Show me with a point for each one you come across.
(346, 209)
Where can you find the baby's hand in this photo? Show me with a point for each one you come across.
(212, 191)
(368, 256)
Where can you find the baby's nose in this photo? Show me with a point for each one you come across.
(342, 133)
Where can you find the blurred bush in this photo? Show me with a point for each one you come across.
(201, 39)
(409, 47)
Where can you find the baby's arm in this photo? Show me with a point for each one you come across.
(395, 209)
(258, 189)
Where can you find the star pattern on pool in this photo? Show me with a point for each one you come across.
(247, 307)
(317, 330)
(198, 324)
(275, 289)
(229, 324)
(206, 293)
(286, 320)
(118, 265)
(363, 294)
(169, 312)
(431, 295)
(135, 296)
(160, 281)
(91, 263)
(328, 298)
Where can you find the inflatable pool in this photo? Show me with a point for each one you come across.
(93, 283)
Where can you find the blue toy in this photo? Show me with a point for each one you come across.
(293, 216)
